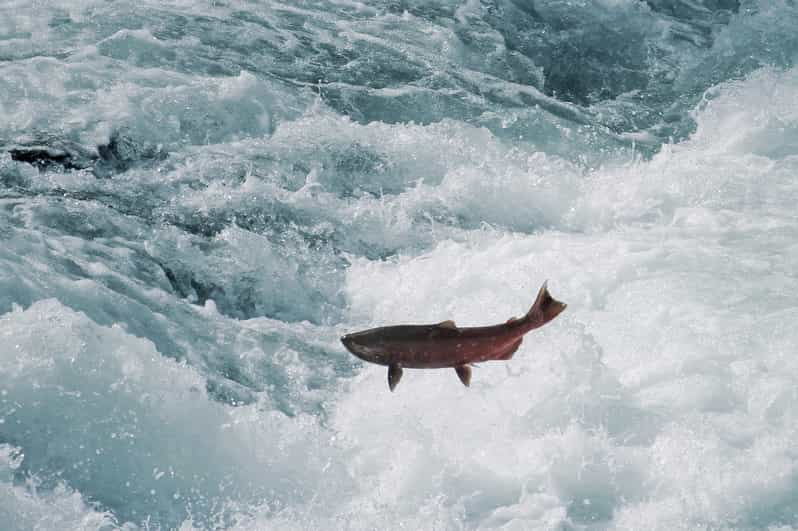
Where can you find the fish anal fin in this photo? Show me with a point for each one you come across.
(394, 375)
(447, 324)
(464, 373)
(508, 352)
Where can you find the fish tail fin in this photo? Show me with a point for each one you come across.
(544, 310)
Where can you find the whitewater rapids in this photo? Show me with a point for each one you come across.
(197, 199)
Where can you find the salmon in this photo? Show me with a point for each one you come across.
(445, 345)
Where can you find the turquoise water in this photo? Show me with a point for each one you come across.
(198, 198)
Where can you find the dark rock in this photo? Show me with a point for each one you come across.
(122, 153)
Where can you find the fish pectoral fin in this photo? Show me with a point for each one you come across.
(447, 324)
(464, 373)
(394, 375)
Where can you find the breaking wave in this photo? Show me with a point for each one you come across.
(197, 199)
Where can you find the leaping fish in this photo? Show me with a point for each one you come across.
(442, 345)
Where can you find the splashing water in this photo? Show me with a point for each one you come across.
(198, 198)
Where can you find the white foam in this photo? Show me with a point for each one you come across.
(663, 398)
(22, 507)
(657, 400)
(110, 416)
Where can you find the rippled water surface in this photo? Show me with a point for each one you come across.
(198, 198)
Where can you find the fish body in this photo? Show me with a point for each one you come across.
(445, 345)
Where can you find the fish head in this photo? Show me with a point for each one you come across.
(366, 346)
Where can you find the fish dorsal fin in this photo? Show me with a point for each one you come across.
(447, 324)
(512, 319)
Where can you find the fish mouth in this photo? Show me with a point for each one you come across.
(347, 341)
(359, 350)
(350, 345)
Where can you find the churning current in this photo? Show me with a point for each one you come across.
(198, 198)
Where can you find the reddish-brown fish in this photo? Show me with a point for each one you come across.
(445, 345)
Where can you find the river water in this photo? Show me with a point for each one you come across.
(199, 197)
